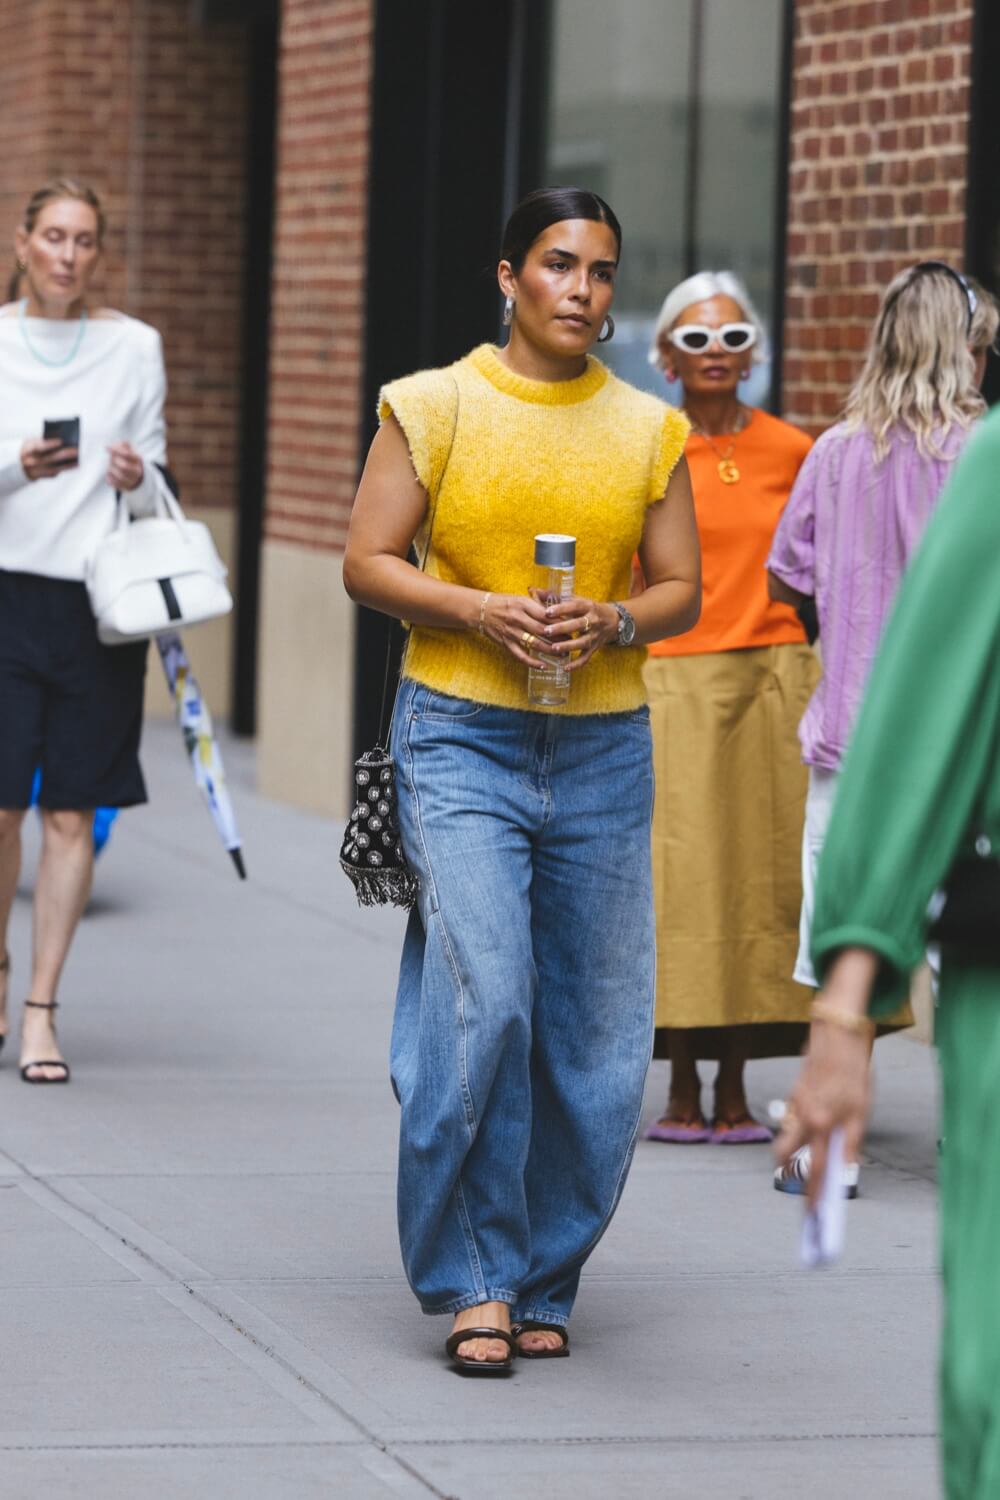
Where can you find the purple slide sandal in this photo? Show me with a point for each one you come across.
(678, 1132)
(740, 1133)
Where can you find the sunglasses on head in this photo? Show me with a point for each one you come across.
(696, 338)
(925, 266)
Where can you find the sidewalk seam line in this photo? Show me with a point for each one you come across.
(177, 1283)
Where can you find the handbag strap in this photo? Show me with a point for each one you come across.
(423, 566)
(167, 490)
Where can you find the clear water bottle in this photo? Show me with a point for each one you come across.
(555, 567)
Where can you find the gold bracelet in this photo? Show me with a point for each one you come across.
(482, 612)
(836, 1015)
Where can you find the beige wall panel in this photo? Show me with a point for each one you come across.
(209, 647)
(922, 1000)
(306, 679)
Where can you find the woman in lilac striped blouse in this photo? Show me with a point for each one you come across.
(858, 509)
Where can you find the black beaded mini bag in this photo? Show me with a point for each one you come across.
(372, 854)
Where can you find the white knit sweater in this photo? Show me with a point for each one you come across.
(116, 384)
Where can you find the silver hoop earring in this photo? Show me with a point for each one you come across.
(508, 311)
(608, 331)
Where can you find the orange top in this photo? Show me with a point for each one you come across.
(736, 523)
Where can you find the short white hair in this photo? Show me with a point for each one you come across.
(699, 288)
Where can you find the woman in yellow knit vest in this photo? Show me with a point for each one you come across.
(524, 1011)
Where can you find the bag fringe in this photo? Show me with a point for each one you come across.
(383, 887)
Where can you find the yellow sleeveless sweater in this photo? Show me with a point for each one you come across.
(586, 457)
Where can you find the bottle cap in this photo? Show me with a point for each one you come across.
(552, 550)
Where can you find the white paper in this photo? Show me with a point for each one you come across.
(824, 1226)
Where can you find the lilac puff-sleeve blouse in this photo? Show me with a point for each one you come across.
(851, 524)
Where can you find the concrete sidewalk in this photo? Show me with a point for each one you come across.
(200, 1288)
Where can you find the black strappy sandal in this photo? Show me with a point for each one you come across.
(530, 1326)
(4, 969)
(45, 1062)
(482, 1366)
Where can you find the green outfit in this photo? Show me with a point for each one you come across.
(920, 781)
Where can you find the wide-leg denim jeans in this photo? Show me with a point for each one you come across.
(524, 1015)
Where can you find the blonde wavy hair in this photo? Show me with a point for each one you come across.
(919, 372)
(985, 319)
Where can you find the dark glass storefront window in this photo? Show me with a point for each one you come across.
(982, 247)
(672, 110)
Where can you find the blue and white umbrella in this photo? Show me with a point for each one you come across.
(202, 747)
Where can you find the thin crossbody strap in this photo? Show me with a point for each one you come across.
(423, 565)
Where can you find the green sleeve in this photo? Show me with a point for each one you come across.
(924, 753)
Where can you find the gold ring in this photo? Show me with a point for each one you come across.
(586, 624)
(527, 640)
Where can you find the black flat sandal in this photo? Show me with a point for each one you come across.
(45, 1062)
(530, 1326)
(481, 1366)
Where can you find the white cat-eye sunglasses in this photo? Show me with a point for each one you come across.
(697, 338)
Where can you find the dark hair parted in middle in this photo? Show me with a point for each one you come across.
(552, 205)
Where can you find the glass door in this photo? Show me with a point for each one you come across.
(673, 111)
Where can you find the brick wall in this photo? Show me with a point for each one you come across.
(186, 224)
(23, 115)
(137, 98)
(880, 102)
(91, 56)
(318, 308)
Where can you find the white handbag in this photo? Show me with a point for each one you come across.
(155, 574)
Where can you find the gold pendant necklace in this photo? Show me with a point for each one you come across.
(728, 470)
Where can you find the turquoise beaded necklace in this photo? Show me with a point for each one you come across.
(43, 359)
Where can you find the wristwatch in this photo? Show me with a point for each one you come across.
(626, 626)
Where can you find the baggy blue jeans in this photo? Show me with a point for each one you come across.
(524, 1014)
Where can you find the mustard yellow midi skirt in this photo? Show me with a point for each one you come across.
(727, 845)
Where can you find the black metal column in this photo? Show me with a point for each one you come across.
(982, 237)
(446, 159)
(255, 346)
(780, 266)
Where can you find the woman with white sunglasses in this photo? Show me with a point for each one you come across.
(725, 700)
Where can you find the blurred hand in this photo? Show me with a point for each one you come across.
(516, 623)
(126, 468)
(833, 1087)
(44, 458)
(831, 1090)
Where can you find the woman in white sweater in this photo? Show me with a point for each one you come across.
(68, 705)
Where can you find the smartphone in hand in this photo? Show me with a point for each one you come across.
(67, 430)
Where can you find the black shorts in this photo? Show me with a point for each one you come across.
(67, 704)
